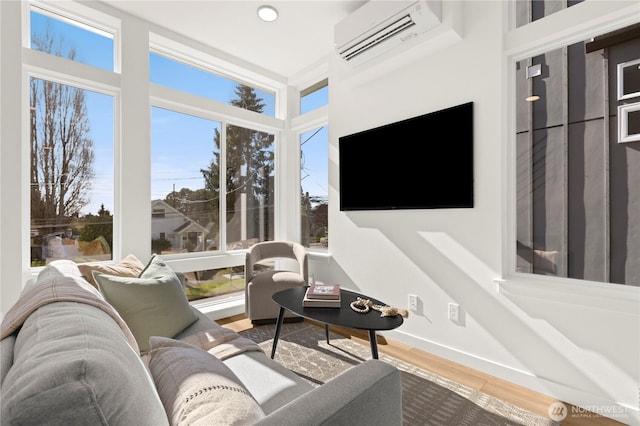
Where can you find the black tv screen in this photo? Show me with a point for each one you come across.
(424, 162)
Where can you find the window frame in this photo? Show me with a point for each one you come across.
(307, 128)
(314, 88)
(311, 120)
(209, 60)
(184, 103)
(40, 65)
(623, 123)
(206, 60)
(81, 16)
(620, 83)
(524, 42)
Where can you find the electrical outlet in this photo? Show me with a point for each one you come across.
(454, 312)
(413, 302)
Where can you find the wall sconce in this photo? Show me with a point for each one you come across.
(534, 70)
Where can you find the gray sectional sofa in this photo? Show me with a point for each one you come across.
(69, 357)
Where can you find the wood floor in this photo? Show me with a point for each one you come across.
(514, 394)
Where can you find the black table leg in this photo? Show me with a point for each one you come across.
(326, 332)
(278, 327)
(374, 344)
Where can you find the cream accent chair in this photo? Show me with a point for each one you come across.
(261, 285)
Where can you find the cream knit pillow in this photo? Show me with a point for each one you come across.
(197, 388)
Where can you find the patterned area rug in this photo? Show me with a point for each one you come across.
(427, 398)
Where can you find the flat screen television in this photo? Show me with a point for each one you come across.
(423, 162)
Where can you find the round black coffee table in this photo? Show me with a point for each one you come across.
(291, 299)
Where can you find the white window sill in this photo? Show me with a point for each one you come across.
(220, 307)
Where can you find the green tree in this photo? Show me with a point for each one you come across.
(195, 204)
(98, 226)
(314, 217)
(249, 166)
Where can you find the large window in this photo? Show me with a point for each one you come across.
(314, 181)
(533, 10)
(71, 148)
(578, 187)
(249, 186)
(213, 182)
(214, 282)
(184, 209)
(71, 39)
(191, 79)
(205, 141)
(314, 96)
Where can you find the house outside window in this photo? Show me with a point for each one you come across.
(182, 148)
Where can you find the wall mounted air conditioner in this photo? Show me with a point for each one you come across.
(379, 26)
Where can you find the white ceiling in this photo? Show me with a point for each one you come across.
(300, 37)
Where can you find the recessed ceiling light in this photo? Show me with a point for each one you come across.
(267, 13)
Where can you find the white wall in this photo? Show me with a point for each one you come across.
(12, 153)
(578, 342)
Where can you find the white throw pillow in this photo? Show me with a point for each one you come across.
(197, 388)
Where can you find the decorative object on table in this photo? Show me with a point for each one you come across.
(291, 300)
(317, 297)
(363, 306)
(324, 291)
(260, 285)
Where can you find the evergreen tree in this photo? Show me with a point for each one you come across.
(195, 204)
(98, 226)
(249, 166)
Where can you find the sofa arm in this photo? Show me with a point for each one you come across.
(369, 393)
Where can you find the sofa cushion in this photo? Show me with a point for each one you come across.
(153, 304)
(6, 355)
(270, 383)
(59, 268)
(130, 266)
(197, 388)
(72, 365)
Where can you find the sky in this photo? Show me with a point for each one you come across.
(181, 144)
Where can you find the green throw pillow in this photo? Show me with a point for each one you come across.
(153, 304)
(157, 267)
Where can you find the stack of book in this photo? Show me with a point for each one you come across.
(321, 295)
